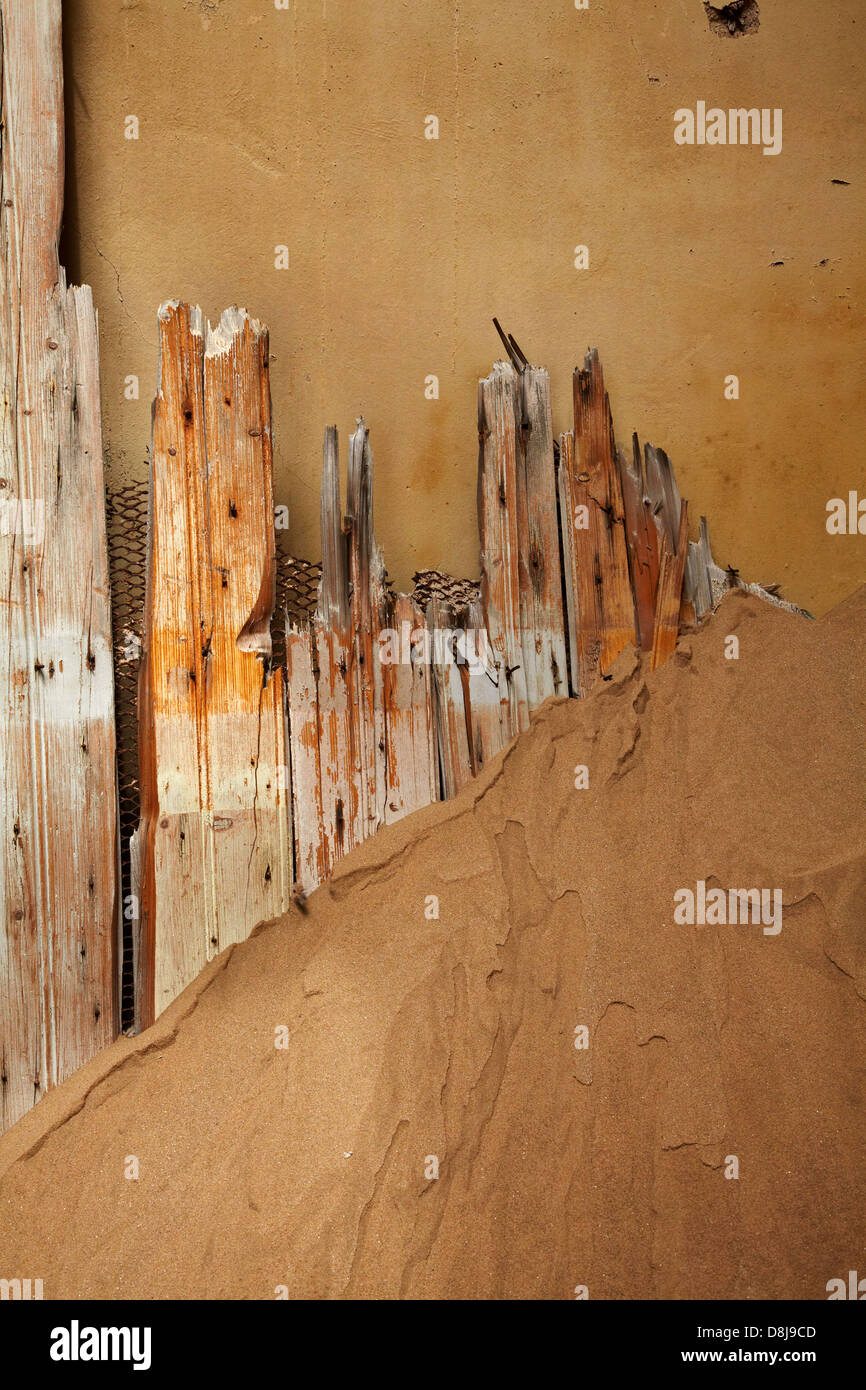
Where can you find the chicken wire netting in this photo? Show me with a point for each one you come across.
(126, 524)
(434, 584)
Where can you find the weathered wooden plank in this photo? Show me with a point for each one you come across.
(542, 620)
(604, 603)
(58, 995)
(569, 518)
(664, 495)
(449, 703)
(481, 691)
(698, 578)
(499, 416)
(342, 826)
(671, 571)
(215, 857)
(303, 707)
(412, 769)
(643, 542)
(368, 613)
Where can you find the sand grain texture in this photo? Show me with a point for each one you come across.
(455, 1037)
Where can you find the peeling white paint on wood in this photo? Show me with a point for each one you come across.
(499, 415)
(411, 752)
(542, 622)
(215, 850)
(58, 1001)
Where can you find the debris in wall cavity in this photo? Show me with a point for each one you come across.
(739, 17)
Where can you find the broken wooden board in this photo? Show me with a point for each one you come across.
(499, 416)
(369, 609)
(569, 518)
(412, 764)
(542, 620)
(362, 731)
(449, 699)
(672, 569)
(601, 603)
(643, 541)
(480, 690)
(663, 493)
(58, 862)
(214, 838)
(306, 773)
(342, 826)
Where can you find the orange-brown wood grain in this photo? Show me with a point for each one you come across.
(499, 416)
(643, 542)
(670, 588)
(542, 619)
(603, 602)
(215, 848)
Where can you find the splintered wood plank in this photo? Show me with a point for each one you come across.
(569, 519)
(671, 571)
(665, 501)
(215, 854)
(58, 996)
(499, 416)
(303, 706)
(342, 826)
(449, 701)
(697, 577)
(664, 495)
(604, 601)
(704, 578)
(412, 767)
(368, 612)
(643, 541)
(542, 621)
(481, 691)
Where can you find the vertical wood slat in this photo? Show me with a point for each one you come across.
(499, 416)
(568, 521)
(214, 836)
(58, 986)
(671, 571)
(542, 621)
(368, 612)
(412, 768)
(704, 579)
(362, 733)
(455, 761)
(481, 693)
(603, 602)
(663, 493)
(306, 772)
(643, 541)
(332, 635)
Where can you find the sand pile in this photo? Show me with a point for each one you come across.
(418, 1043)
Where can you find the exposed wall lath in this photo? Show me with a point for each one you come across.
(406, 697)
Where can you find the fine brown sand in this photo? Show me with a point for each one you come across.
(411, 1037)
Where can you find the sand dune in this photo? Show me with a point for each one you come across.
(412, 1037)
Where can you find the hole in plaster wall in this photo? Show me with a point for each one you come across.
(739, 17)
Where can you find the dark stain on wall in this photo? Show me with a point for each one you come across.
(740, 17)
